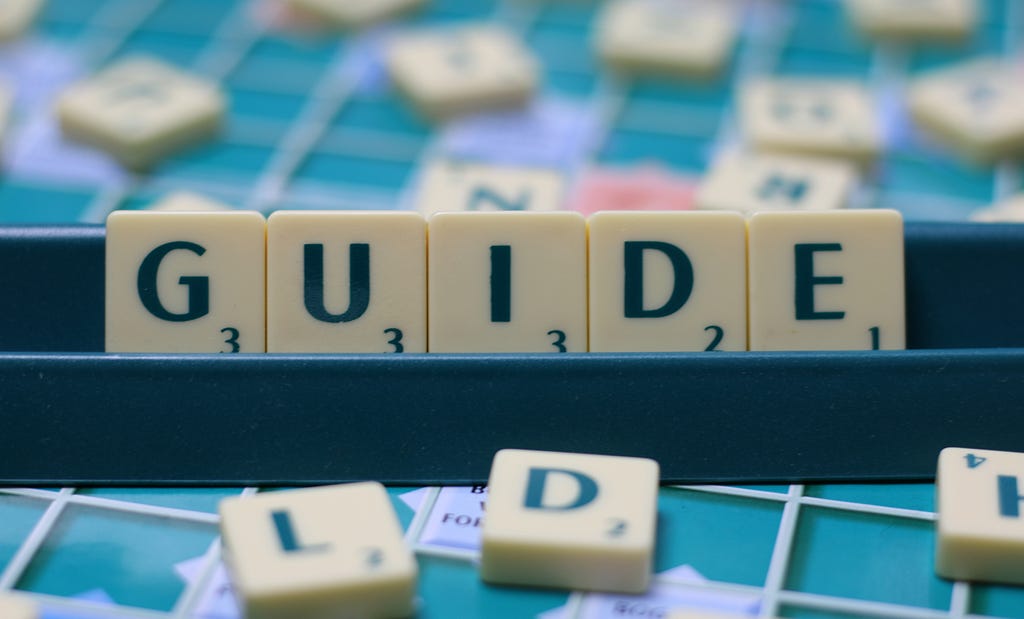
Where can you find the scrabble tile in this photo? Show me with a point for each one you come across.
(185, 282)
(921, 19)
(826, 281)
(460, 186)
(354, 13)
(16, 16)
(187, 202)
(974, 107)
(764, 182)
(17, 607)
(645, 188)
(668, 281)
(141, 110)
(460, 70)
(980, 532)
(573, 521)
(334, 552)
(1008, 210)
(507, 282)
(673, 37)
(346, 282)
(823, 117)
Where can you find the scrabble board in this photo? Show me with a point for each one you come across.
(315, 124)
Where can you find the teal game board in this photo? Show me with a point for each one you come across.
(314, 124)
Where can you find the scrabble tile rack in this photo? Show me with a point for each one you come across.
(427, 419)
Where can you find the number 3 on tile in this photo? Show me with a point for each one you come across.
(396, 339)
(559, 342)
(232, 340)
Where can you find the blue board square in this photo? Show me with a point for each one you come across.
(130, 557)
(680, 152)
(178, 49)
(18, 516)
(867, 557)
(997, 601)
(453, 589)
(194, 16)
(725, 538)
(905, 496)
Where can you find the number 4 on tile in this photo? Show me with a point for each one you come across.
(974, 461)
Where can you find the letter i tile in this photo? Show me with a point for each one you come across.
(185, 282)
(980, 533)
(826, 281)
(334, 552)
(573, 521)
(507, 282)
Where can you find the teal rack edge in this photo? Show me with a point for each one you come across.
(70, 415)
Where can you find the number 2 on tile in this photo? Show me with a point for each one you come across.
(618, 528)
(719, 333)
(374, 558)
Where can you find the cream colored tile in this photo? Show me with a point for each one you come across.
(1009, 210)
(448, 186)
(507, 282)
(825, 117)
(980, 532)
(921, 19)
(764, 182)
(13, 606)
(187, 202)
(826, 281)
(346, 281)
(691, 38)
(572, 521)
(668, 281)
(449, 72)
(185, 282)
(974, 107)
(16, 16)
(334, 552)
(354, 13)
(141, 110)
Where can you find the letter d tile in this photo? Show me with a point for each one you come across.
(185, 282)
(567, 520)
(668, 281)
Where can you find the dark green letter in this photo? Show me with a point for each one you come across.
(198, 287)
(633, 293)
(535, 489)
(806, 281)
(501, 283)
(358, 287)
